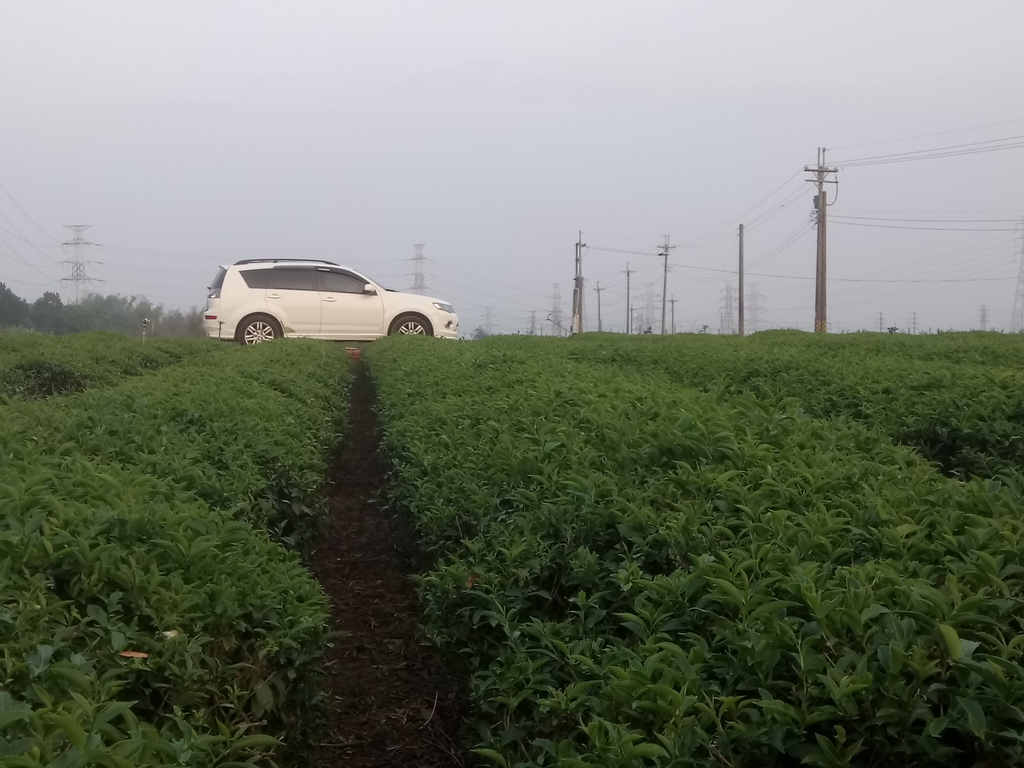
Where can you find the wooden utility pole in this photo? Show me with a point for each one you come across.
(629, 314)
(741, 281)
(664, 282)
(821, 206)
(672, 301)
(577, 290)
(598, 289)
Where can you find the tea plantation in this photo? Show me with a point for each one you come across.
(718, 551)
(643, 551)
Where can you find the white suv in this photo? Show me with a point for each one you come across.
(262, 299)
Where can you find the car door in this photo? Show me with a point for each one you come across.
(348, 312)
(293, 297)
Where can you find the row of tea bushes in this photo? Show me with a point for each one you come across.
(643, 574)
(35, 365)
(956, 398)
(148, 616)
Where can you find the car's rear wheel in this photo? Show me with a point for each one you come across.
(257, 329)
(411, 325)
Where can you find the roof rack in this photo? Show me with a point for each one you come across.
(274, 261)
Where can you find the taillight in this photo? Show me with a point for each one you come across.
(214, 293)
(209, 317)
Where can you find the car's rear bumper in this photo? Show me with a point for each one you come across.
(216, 328)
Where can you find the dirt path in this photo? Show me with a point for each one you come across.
(391, 701)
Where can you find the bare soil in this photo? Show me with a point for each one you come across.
(392, 701)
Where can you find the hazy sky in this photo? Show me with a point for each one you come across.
(191, 134)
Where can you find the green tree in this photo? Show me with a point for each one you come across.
(120, 314)
(13, 308)
(48, 314)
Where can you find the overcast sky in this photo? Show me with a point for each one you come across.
(191, 134)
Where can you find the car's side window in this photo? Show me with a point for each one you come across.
(256, 278)
(293, 279)
(334, 281)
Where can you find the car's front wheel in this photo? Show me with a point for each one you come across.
(413, 325)
(257, 329)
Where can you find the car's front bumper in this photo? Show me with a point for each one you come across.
(446, 325)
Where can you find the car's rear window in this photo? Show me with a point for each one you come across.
(256, 278)
(218, 281)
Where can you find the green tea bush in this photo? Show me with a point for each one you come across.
(957, 398)
(253, 443)
(639, 573)
(35, 366)
(147, 617)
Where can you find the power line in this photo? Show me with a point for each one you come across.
(846, 279)
(619, 250)
(25, 261)
(928, 135)
(21, 236)
(790, 240)
(926, 221)
(932, 229)
(991, 243)
(755, 222)
(933, 213)
(750, 210)
(31, 221)
(962, 267)
(23, 282)
(950, 147)
(933, 156)
(901, 292)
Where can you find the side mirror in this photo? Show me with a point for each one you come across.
(369, 290)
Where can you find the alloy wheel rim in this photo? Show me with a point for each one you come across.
(412, 327)
(258, 332)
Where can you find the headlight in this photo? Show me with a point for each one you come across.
(444, 306)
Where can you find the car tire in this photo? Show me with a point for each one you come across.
(412, 325)
(257, 329)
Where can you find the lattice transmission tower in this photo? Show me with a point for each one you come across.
(754, 309)
(1017, 323)
(78, 279)
(648, 309)
(728, 318)
(419, 279)
(556, 311)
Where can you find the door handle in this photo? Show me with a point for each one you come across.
(329, 298)
(273, 295)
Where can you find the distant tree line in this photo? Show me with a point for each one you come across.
(122, 314)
